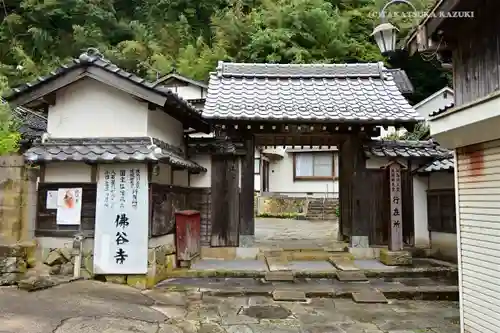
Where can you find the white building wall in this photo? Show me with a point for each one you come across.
(164, 127)
(420, 218)
(281, 180)
(88, 108)
(434, 104)
(67, 172)
(188, 91)
(203, 179)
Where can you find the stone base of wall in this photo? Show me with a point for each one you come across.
(281, 206)
(161, 261)
(15, 260)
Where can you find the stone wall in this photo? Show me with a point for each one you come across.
(15, 261)
(161, 261)
(17, 200)
(58, 258)
(281, 205)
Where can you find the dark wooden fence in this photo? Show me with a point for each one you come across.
(165, 200)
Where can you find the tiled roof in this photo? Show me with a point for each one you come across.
(32, 124)
(442, 110)
(92, 57)
(439, 164)
(405, 149)
(347, 92)
(401, 79)
(137, 149)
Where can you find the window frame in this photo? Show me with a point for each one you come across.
(438, 221)
(313, 153)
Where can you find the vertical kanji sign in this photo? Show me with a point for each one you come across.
(396, 228)
(121, 230)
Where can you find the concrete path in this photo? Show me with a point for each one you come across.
(94, 307)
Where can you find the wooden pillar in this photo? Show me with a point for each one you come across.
(225, 201)
(247, 225)
(353, 178)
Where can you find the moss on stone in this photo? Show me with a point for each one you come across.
(118, 279)
(139, 281)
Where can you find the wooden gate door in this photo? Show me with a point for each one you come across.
(379, 216)
(225, 201)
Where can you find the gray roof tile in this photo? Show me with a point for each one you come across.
(138, 149)
(442, 110)
(351, 92)
(439, 164)
(401, 79)
(405, 149)
(92, 57)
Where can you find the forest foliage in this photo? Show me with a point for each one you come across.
(151, 37)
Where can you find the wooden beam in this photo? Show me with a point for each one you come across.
(47, 88)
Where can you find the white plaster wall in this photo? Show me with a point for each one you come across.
(420, 218)
(188, 92)
(89, 108)
(444, 245)
(181, 178)
(164, 127)
(257, 182)
(67, 172)
(281, 180)
(203, 179)
(435, 104)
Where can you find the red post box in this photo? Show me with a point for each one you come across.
(187, 227)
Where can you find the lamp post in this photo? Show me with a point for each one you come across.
(385, 32)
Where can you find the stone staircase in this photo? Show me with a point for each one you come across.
(322, 209)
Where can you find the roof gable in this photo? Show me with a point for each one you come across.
(433, 96)
(362, 92)
(92, 64)
(176, 77)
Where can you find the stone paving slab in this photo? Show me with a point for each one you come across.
(351, 276)
(90, 307)
(237, 265)
(311, 266)
(280, 276)
(371, 264)
(289, 296)
(369, 296)
(343, 265)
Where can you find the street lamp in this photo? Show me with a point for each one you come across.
(385, 33)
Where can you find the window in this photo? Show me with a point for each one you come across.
(441, 210)
(313, 166)
(256, 167)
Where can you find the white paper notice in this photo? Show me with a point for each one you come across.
(121, 224)
(51, 202)
(69, 206)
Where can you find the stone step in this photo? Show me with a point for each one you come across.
(279, 276)
(289, 296)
